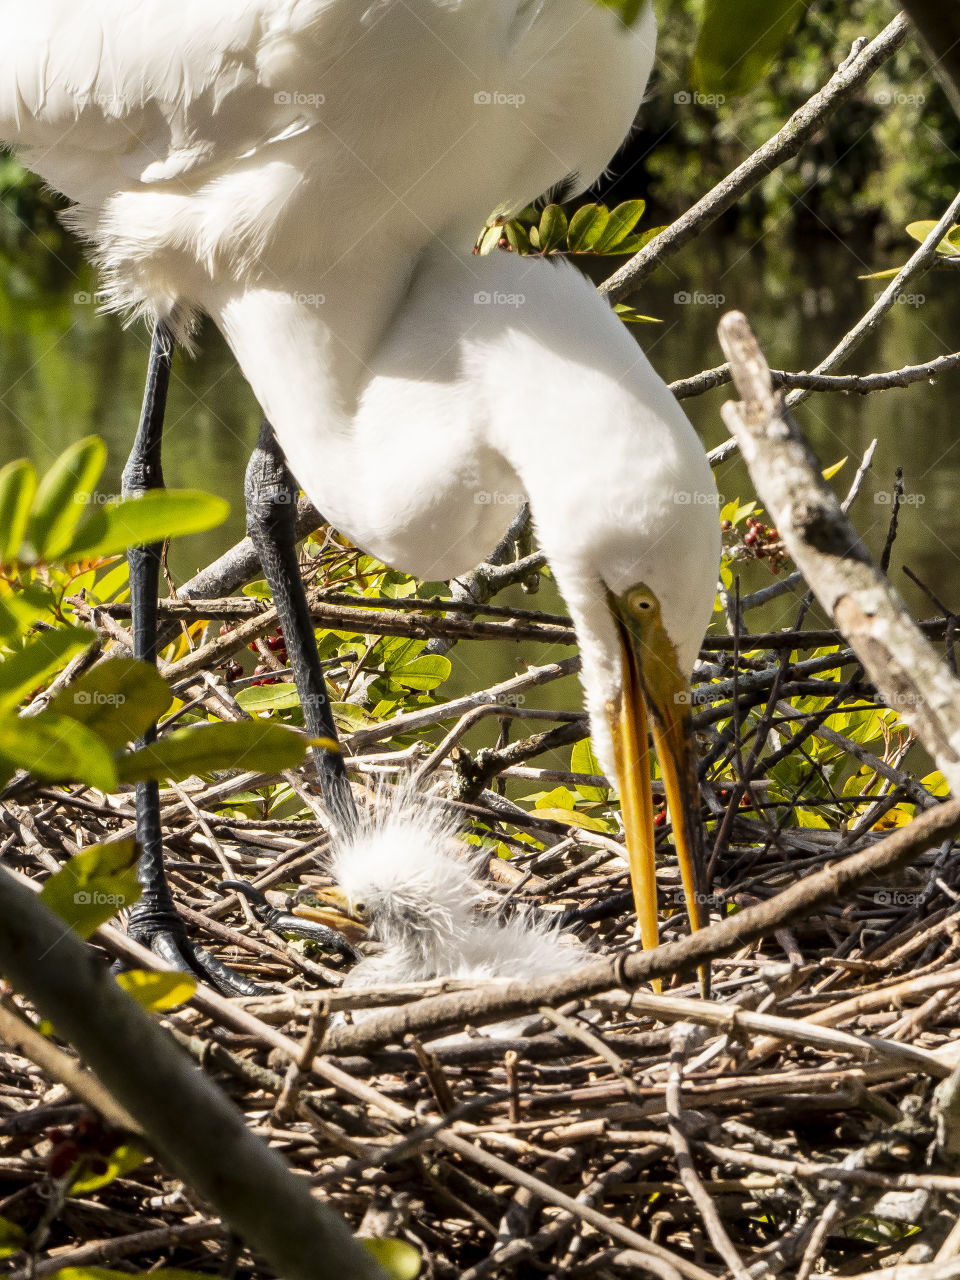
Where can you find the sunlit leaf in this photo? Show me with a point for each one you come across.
(255, 745)
(12, 1238)
(621, 223)
(829, 472)
(55, 748)
(552, 231)
(18, 485)
(157, 992)
(123, 1159)
(63, 495)
(40, 658)
(118, 700)
(93, 886)
(268, 697)
(587, 226)
(157, 515)
(583, 759)
(400, 1260)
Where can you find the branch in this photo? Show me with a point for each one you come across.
(799, 901)
(199, 1135)
(827, 549)
(784, 145)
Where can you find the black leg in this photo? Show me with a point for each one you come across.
(153, 920)
(271, 495)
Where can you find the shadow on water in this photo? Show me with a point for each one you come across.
(66, 371)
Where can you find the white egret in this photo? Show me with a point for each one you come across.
(311, 174)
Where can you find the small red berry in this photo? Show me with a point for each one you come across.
(62, 1160)
(726, 526)
(659, 819)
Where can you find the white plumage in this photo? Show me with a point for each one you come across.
(312, 175)
(403, 874)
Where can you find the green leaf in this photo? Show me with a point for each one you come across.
(123, 1159)
(630, 316)
(63, 495)
(552, 231)
(268, 697)
(587, 226)
(829, 472)
(255, 745)
(400, 1260)
(12, 1238)
(622, 221)
(18, 484)
(583, 759)
(55, 748)
(136, 522)
(93, 886)
(424, 673)
(558, 798)
(38, 660)
(738, 41)
(157, 992)
(118, 700)
(490, 240)
(948, 246)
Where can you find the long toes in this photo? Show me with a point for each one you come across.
(222, 977)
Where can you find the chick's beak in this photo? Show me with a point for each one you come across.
(332, 907)
(654, 687)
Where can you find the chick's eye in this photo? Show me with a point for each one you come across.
(360, 909)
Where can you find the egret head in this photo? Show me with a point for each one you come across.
(398, 876)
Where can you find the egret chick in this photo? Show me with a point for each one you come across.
(399, 875)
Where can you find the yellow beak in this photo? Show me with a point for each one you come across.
(654, 688)
(332, 908)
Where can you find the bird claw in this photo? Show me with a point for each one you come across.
(283, 922)
(171, 945)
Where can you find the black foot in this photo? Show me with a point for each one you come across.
(166, 938)
(283, 922)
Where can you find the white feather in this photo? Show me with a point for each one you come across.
(419, 891)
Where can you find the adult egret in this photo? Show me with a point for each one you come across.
(311, 174)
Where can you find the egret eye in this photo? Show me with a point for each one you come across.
(641, 600)
(360, 910)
